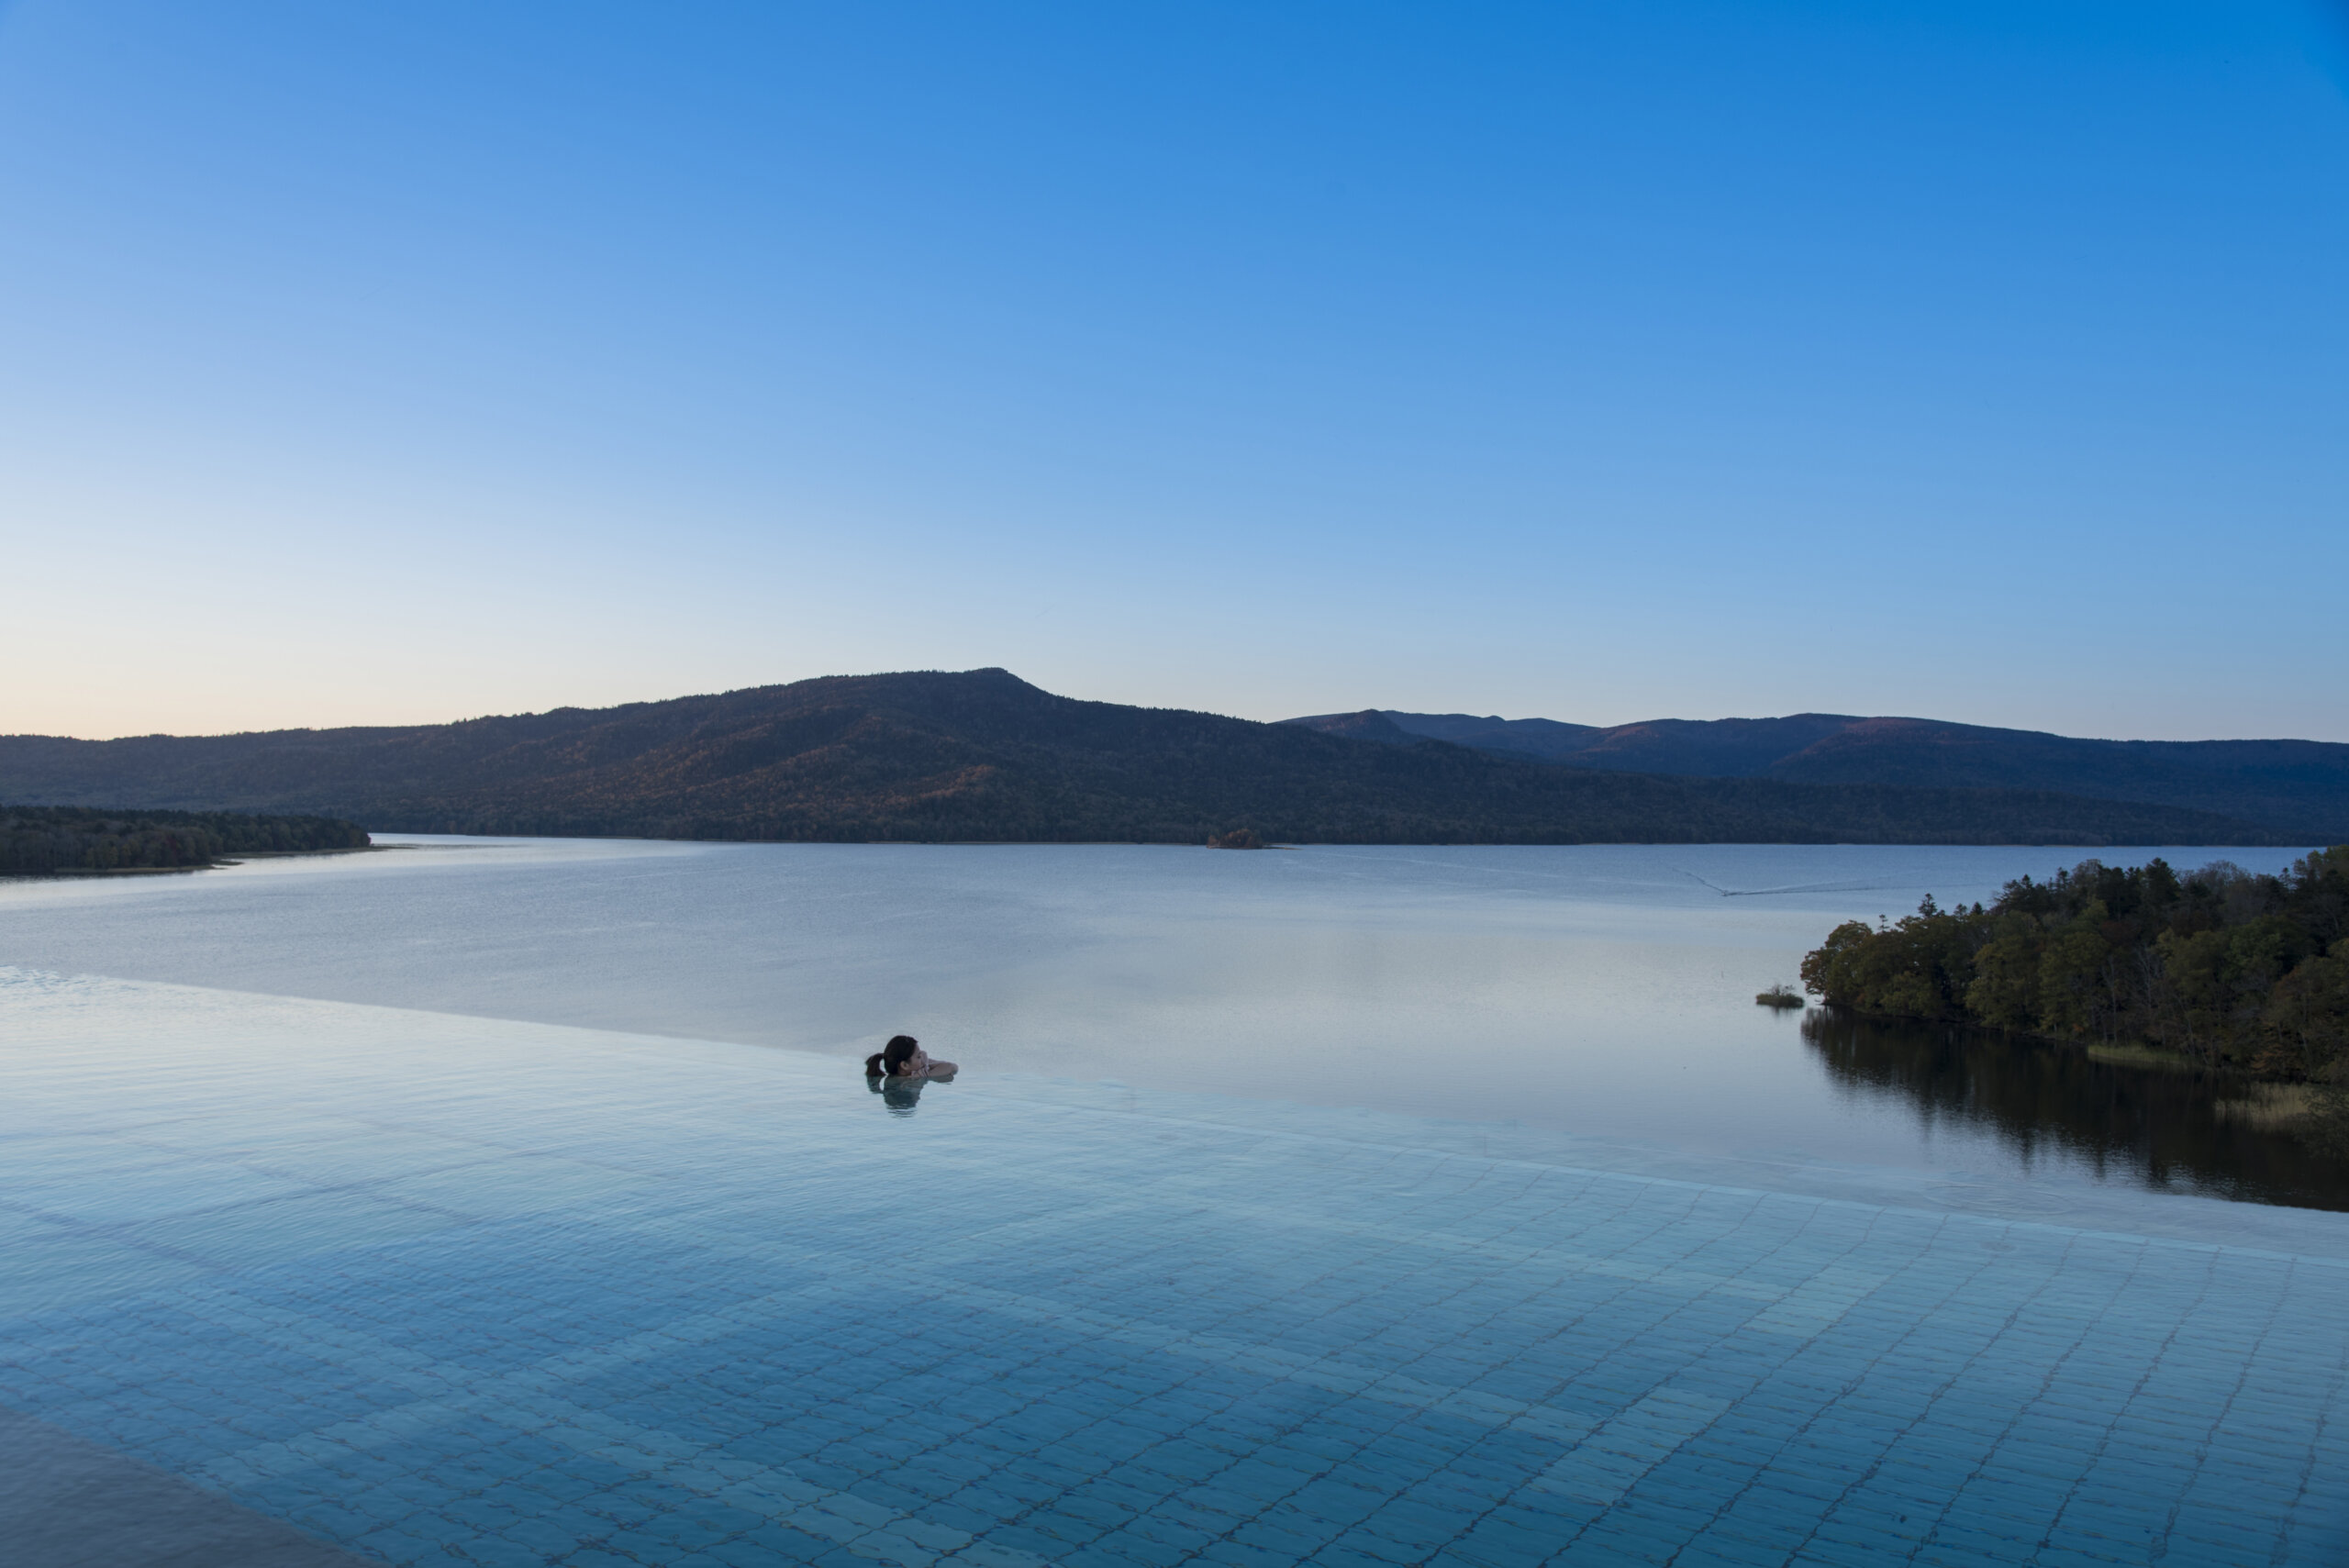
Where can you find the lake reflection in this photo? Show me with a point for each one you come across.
(901, 1096)
(2051, 1105)
(1599, 991)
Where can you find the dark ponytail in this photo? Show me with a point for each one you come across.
(885, 1062)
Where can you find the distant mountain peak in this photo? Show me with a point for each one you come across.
(1368, 725)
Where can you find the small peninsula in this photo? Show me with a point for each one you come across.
(52, 840)
(2219, 969)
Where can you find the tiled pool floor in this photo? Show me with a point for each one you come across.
(441, 1290)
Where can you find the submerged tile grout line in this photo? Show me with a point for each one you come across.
(523, 1400)
(1643, 1179)
(1792, 1438)
(2242, 1372)
(1990, 1447)
(651, 1320)
(1052, 1311)
(2325, 1420)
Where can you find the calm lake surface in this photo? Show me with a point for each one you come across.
(1592, 992)
(522, 1204)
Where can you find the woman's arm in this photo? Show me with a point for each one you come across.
(943, 1070)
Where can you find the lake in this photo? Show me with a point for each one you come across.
(1598, 991)
(520, 1202)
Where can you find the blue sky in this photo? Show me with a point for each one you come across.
(1599, 361)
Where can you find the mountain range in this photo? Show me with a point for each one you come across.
(981, 755)
(2297, 787)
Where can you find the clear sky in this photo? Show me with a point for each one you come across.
(1601, 360)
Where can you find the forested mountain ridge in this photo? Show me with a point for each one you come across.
(983, 755)
(2299, 788)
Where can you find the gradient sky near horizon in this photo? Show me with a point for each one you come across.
(1600, 360)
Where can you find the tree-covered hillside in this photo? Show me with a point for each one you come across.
(983, 755)
(2234, 970)
(37, 840)
(2296, 788)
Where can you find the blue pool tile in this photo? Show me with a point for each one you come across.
(629, 1314)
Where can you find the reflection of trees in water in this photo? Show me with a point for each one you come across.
(2156, 1128)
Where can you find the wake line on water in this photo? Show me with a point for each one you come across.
(1798, 888)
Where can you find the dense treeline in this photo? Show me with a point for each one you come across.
(2238, 972)
(1439, 795)
(983, 755)
(49, 839)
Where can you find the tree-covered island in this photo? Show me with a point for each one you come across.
(60, 840)
(2222, 969)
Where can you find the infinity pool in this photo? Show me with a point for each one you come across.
(1599, 990)
(442, 1290)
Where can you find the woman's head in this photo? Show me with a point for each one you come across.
(890, 1061)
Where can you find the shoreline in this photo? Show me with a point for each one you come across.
(223, 863)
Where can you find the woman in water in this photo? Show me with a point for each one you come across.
(903, 1057)
(897, 1072)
